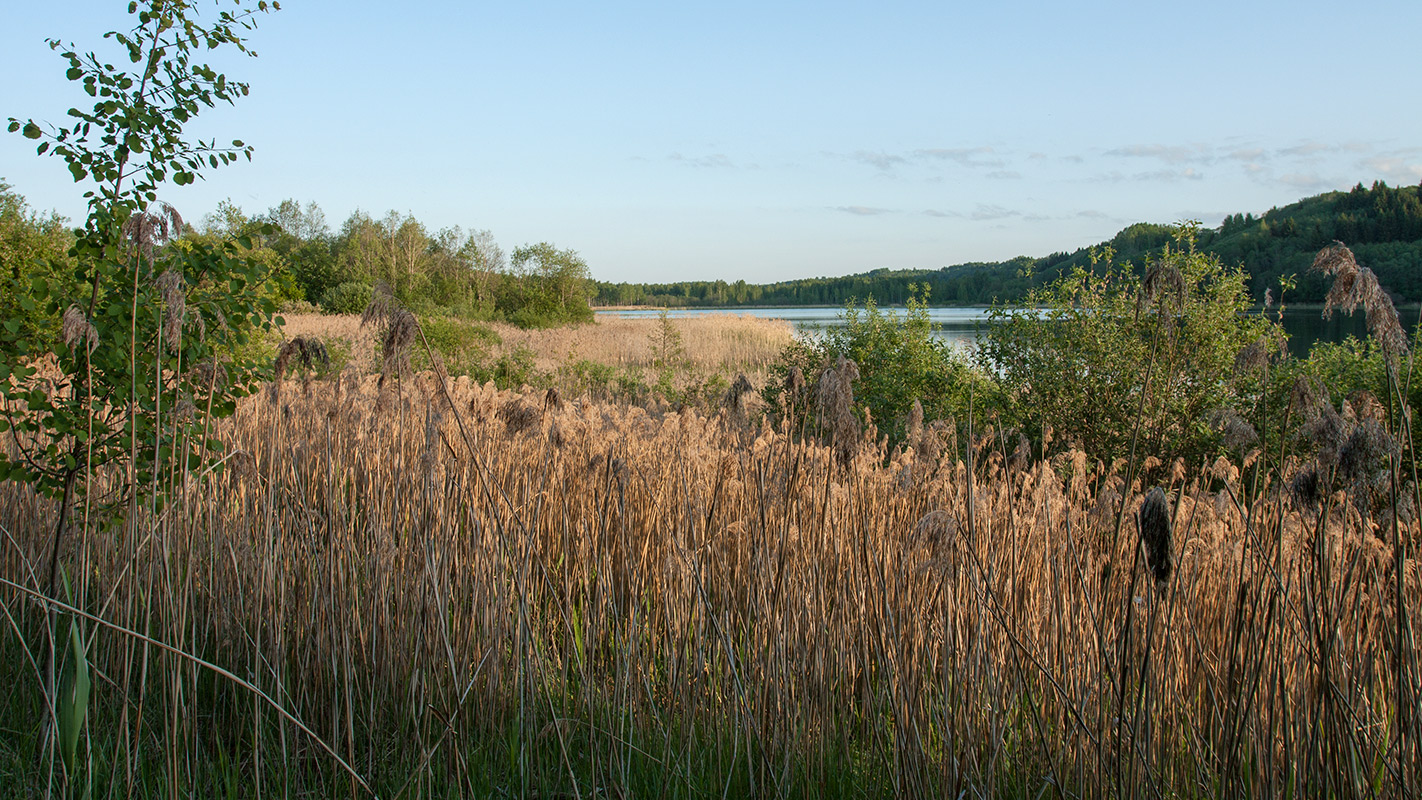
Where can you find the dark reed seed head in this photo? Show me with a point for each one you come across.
(936, 529)
(836, 398)
(1308, 396)
(1327, 432)
(1335, 259)
(1153, 520)
(1236, 432)
(308, 351)
(398, 341)
(208, 375)
(381, 307)
(1364, 457)
(1162, 283)
(734, 399)
(1365, 405)
(1021, 455)
(552, 400)
(1305, 488)
(518, 416)
(794, 383)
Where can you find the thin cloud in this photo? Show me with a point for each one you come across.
(712, 161)
(1170, 175)
(1247, 154)
(981, 157)
(1307, 149)
(985, 212)
(863, 211)
(933, 212)
(882, 161)
(964, 156)
(1394, 168)
(1310, 181)
(1004, 175)
(1170, 154)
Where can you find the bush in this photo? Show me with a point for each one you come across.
(516, 368)
(900, 361)
(1101, 351)
(346, 298)
(464, 346)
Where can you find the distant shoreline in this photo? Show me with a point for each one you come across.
(1256, 307)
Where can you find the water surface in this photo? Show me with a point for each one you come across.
(961, 326)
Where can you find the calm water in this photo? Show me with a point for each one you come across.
(960, 327)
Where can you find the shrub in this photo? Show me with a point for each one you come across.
(516, 368)
(346, 298)
(1105, 352)
(464, 346)
(900, 361)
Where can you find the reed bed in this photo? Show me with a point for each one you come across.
(715, 344)
(460, 591)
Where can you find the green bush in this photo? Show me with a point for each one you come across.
(346, 298)
(516, 368)
(584, 375)
(464, 346)
(900, 358)
(1103, 353)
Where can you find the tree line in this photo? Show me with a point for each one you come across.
(448, 271)
(1381, 224)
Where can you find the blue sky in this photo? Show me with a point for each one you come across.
(765, 141)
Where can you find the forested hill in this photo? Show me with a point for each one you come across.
(1382, 225)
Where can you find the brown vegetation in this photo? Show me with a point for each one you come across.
(630, 599)
(716, 344)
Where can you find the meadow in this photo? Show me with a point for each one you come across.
(429, 587)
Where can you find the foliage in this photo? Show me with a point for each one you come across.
(1100, 350)
(1344, 369)
(346, 298)
(515, 368)
(140, 317)
(900, 362)
(32, 246)
(463, 345)
(668, 349)
(547, 286)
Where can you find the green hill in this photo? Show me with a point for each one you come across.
(1383, 226)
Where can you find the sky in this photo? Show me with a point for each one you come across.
(765, 140)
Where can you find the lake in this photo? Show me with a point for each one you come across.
(960, 326)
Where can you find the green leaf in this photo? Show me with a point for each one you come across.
(32, 131)
(72, 702)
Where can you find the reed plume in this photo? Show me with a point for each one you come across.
(76, 329)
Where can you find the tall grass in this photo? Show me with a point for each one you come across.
(439, 589)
